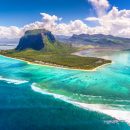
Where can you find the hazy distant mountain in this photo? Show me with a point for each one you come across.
(62, 38)
(98, 40)
(6, 43)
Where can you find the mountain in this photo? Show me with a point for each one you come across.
(6, 41)
(40, 46)
(62, 38)
(35, 39)
(98, 40)
(42, 40)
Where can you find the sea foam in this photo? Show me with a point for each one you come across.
(121, 115)
(13, 80)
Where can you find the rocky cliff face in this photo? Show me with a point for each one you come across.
(35, 39)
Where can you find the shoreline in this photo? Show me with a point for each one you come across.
(41, 63)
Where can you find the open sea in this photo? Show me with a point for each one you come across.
(34, 97)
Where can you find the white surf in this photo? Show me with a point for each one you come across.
(121, 115)
(13, 80)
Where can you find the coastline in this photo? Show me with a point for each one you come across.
(41, 63)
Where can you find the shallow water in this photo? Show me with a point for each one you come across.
(37, 97)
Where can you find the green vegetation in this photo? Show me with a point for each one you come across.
(52, 52)
(59, 59)
(57, 47)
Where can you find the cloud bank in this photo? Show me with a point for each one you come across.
(113, 22)
(100, 6)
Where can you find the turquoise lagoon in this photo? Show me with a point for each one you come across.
(35, 97)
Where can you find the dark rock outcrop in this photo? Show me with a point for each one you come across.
(35, 39)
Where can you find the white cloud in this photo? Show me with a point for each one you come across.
(54, 24)
(50, 21)
(100, 6)
(10, 32)
(73, 27)
(91, 19)
(115, 22)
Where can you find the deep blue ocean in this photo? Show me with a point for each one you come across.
(34, 97)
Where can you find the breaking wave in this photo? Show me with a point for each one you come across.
(104, 109)
(13, 80)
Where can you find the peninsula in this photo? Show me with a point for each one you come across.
(40, 46)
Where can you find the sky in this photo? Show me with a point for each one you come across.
(22, 12)
(65, 17)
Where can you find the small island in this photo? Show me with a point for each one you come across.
(40, 46)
